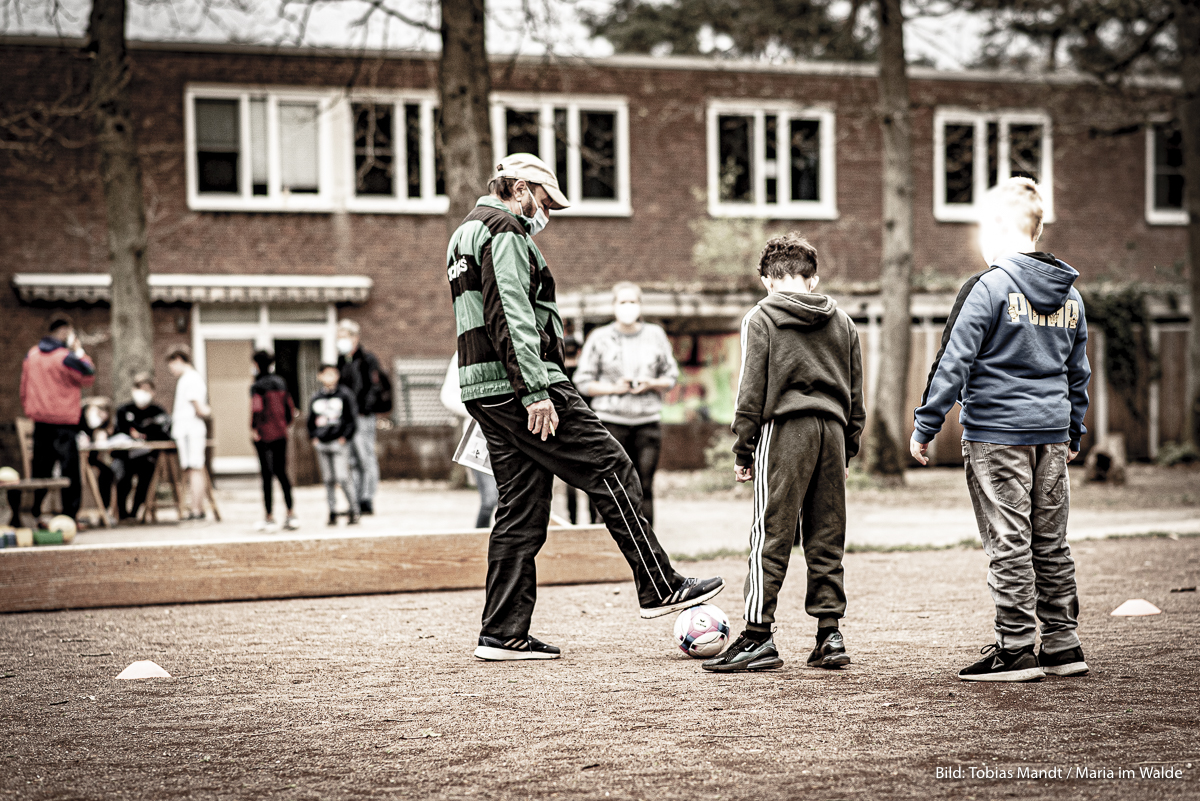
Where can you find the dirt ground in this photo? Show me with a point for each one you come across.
(378, 696)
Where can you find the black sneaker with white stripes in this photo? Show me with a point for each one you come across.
(1063, 663)
(1019, 664)
(691, 592)
(491, 649)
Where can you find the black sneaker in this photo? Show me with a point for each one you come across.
(830, 652)
(691, 592)
(746, 654)
(1001, 665)
(1063, 663)
(332, 519)
(366, 507)
(491, 649)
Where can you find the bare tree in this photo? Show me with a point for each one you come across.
(124, 204)
(1188, 23)
(464, 83)
(887, 440)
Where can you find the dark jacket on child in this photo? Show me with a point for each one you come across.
(333, 415)
(801, 357)
(153, 422)
(271, 408)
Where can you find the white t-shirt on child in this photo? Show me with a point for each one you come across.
(190, 387)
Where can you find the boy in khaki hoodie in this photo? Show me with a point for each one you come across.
(798, 421)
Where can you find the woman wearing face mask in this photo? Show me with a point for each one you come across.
(626, 367)
(95, 423)
(143, 420)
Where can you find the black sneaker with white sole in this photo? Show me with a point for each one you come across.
(491, 649)
(746, 653)
(830, 652)
(1063, 663)
(1001, 665)
(691, 592)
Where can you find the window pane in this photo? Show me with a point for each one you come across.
(299, 313)
(412, 139)
(560, 148)
(734, 183)
(439, 161)
(771, 149)
(521, 132)
(230, 313)
(806, 159)
(1168, 167)
(993, 151)
(598, 154)
(298, 148)
(960, 163)
(217, 145)
(1025, 151)
(258, 146)
(374, 154)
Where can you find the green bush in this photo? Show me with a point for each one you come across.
(1173, 453)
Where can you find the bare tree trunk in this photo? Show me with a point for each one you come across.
(1188, 22)
(886, 446)
(121, 179)
(464, 83)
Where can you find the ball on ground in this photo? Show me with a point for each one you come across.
(702, 631)
(64, 524)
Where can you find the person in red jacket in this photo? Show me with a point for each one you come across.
(271, 412)
(54, 372)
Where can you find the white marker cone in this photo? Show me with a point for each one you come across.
(144, 670)
(1136, 607)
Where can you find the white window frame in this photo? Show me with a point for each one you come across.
(544, 105)
(969, 212)
(275, 199)
(823, 209)
(1156, 216)
(398, 203)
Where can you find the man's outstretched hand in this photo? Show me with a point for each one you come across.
(543, 419)
(918, 449)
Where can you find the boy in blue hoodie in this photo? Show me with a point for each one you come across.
(1014, 354)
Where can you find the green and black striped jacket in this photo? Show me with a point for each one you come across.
(509, 329)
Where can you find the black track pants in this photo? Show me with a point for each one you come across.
(584, 455)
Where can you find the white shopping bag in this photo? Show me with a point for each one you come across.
(472, 450)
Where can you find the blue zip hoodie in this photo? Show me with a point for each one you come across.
(1014, 354)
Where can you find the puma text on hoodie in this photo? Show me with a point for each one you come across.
(1014, 354)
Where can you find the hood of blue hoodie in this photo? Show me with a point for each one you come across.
(50, 344)
(1045, 285)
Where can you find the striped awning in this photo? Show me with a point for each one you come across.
(203, 288)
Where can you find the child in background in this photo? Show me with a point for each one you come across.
(271, 412)
(1014, 353)
(331, 422)
(799, 417)
(188, 428)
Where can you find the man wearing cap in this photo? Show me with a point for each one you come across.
(510, 368)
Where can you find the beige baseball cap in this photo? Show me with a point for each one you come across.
(530, 168)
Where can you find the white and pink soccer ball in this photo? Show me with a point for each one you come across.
(702, 631)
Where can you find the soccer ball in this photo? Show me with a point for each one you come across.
(701, 631)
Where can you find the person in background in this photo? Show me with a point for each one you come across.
(143, 420)
(52, 376)
(626, 367)
(489, 495)
(95, 424)
(361, 374)
(572, 344)
(187, 424)
(332, 418)
(271, 412)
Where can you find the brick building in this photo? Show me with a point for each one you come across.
(287, 188)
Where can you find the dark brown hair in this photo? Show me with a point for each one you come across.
(59, 321)
(183, 352)
(787, 255)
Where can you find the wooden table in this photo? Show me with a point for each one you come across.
(166, 468)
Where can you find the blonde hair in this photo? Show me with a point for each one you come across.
(620, 285)
(1017, 203)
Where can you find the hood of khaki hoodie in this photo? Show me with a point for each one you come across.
(793, 310)
(1046, 286)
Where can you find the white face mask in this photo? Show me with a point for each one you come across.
(94, 418)
(142, 398)
(344, 346)
(628, 313)
(539, 222)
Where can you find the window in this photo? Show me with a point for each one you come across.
(1164, 174)
(585, 139)
(973, 152)
(258, 150)
(775, 162)
(397, 163)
